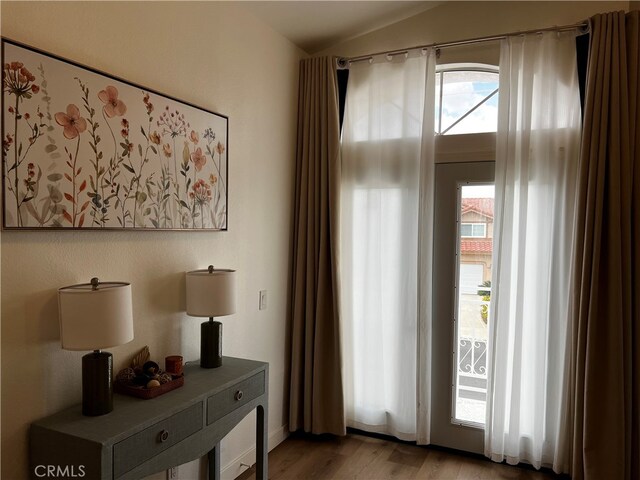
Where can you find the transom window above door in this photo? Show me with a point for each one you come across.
(466, 99)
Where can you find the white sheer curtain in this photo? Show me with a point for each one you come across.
(538, 145)
(387, 169)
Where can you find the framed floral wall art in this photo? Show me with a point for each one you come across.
(83, 149)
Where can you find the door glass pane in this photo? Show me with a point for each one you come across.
(475, 245)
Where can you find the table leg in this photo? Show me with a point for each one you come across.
(261, 443)
(214, 463)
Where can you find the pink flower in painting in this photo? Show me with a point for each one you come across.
(172, 124)
(18, 80)
(112, 105)
(155, 137)
(198, 159)
(27, 74)
(194, 137)
(166, 148)
(6, 144)
(72, 122)
(147, 103)
(201, 193)
(220, 148)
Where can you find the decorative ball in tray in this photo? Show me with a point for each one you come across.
(144, 378)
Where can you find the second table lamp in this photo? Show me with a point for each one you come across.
(211, 293)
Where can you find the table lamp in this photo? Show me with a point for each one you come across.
(94, 316)
(211, 293)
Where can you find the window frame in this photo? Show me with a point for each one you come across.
(474, 224)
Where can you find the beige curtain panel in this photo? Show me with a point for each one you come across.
(606, 317)
(316, 398)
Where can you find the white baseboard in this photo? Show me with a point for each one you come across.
(235, 467)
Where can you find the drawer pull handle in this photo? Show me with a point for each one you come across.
(238, 395)
(163, 436)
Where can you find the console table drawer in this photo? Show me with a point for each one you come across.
(146, 444)
(228, 400)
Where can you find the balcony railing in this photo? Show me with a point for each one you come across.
(473, 357)
(472, 368)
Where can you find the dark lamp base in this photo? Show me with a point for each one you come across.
(210, 344)
(97, 388)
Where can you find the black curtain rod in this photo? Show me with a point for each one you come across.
(344, 62)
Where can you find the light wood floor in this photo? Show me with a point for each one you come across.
(366, 458)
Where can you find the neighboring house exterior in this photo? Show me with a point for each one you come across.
(476, 243)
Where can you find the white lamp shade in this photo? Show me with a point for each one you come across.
(92, 319)
(211, 294)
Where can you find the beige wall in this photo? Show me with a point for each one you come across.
(211, 54)
(461, 20)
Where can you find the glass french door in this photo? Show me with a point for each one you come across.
(463, 247)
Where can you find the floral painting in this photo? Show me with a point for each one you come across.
(84, 150)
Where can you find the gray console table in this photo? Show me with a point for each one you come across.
(142, 437)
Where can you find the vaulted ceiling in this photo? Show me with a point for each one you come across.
(316, 25)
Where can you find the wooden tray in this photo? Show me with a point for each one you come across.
(148, 393)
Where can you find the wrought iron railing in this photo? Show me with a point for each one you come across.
(471, 384)
(472, 360)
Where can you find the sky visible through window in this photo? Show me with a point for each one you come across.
(461, 92)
